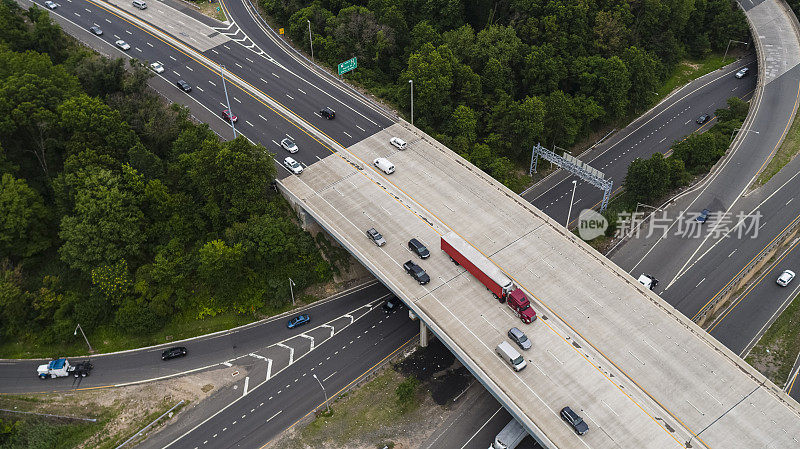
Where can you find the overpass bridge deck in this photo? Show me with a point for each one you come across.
(641, 374)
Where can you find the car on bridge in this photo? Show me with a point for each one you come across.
(416, 272)
(418, 248)
(576, 422)
(519, 337)
(298, 321)
(96, 30)
(293, 166)
(398, 142)
(742, 73)
(122, 45)
(785, 278)
(173, 353)
(376, 236)
(384, 165)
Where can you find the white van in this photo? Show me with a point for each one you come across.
(384, 165)
(510, 355)
(140, 4)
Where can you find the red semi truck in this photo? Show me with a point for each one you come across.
(464, 254)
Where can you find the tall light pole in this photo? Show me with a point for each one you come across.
(739, 129)
(291, 284)
(227, 101)
(310, 42)
(323, 392)
(574, 187)
(84, 337)
(412, 101)
(729, 46)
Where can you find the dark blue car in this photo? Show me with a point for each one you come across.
(298, 321)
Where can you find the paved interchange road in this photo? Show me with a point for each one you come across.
(243, 104)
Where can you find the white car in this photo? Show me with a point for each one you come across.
(742, 73)
(384, 165)
(122, 45)
(289, 145)
(785, 278)
(157, 67)
(398, 142)
(50, 4)
(293, 166)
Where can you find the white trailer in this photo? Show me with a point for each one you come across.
(510, 436)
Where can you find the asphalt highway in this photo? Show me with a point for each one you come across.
(290, 85)
(204, 352)
(654, 132)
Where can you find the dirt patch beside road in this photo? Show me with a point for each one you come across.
(121, 412)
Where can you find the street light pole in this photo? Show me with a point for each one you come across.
(310, 42)
(745, 131)
(729, 46)
(412, 101)
(291, 284)
(574, 187)
(84, 337)
(323, 392)
(227, 101)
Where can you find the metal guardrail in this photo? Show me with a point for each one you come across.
(150, 425)
(734, 284)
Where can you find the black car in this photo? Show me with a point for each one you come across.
(392, 303)
(96, 30)
(574, 420)
(184, 86)
(703, 217)
(702, 119)
(328, 113)
(416, 272)
(173, 353)
(418, 248)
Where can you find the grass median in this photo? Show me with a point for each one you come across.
(776, 351)
(788, 150)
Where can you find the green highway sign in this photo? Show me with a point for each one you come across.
(347, 66)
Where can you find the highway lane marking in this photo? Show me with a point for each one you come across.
(273, 416)
(76, 14)
(190, 69)
(729, 255)
(701, 281)
(749, 289)
(138, 49)
(348, 135)
(237, 100)
(262, 117)
(291, 352)
(200, 88)
(151, 45)
(246, 384)
(212, 83)
(787, 203)
(226, 46)
(248, 122)
(238, 65)
(129, 32)
(308, 336)
(362, 129)
(331, 375)
(251, 61)
(172, 57)
(216, 52)
(108, 21)
(262, 79)
(301, 91)
(290, 97)
(276, 76)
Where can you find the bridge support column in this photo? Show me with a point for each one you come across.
(423, 334)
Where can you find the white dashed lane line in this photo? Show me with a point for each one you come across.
(127, 31)
(191, 69)
(237, 100)
(301, 91)
(248, 122)
(238, 65)
(212, 83)
(276, 76)
(262, 117)
(172, 57)
(151, 45)
(200, 89)
(290, 97)
(273, 416)
(262, 79)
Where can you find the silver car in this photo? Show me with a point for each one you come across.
(376, 237)
(519, 337)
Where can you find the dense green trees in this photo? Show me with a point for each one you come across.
(573, 65)
(117, 211)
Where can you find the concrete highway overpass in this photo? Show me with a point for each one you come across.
(640, 373)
